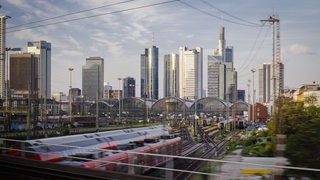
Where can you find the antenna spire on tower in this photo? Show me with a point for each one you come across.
(152, 39)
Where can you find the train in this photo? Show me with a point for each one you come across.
(55, 149)
(122, 162)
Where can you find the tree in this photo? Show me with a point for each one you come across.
(303, 148)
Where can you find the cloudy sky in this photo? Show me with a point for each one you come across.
(120, 30)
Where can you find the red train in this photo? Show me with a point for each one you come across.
(168, 145)
(55, 149)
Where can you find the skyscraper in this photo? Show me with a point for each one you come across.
(264, 82)
(93, 78)
(2, 55)
(43, 50)
(129, 87)
(23, 73)
(149, 73)
(190, 73)
(222, 77)
(171, 67)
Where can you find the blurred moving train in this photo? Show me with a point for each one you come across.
(166, 145)
(55, 149)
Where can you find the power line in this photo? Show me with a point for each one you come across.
(214, 7)
(256, 52)
(212, 15)
(69, 14)
(97, 15)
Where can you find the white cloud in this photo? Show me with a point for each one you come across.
(298, 49)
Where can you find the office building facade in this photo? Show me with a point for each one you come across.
(129, 87)
(149, 68)
(43, 50)
(190, 73)
(3, 55)
(222, 77)
(264, 82)
(24, 74)
(171, 67)
(93, 78)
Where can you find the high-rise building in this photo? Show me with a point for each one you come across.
(93, 78)
(264, 82)
(241, 95)
(171, 67)
(2, 55)
(107, 91)
(149, 73)
(43, 50)
(222, 77)
(24, 74)
(216, 77)
(229, 54)
(190, 73)
(129, 87)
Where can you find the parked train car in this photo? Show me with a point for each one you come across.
(55, 149)
(241, 124)
(226, 123)
(170, 145)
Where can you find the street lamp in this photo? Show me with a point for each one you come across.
(253, 95)
(70, 107)
(119, 100)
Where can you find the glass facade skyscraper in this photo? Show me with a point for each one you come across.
(129, 87)
(2, 54)
(43, 50)
(93, 78)
(149, 73)
(191, 73)
(171, 67)
(264, 82)
(222, 77)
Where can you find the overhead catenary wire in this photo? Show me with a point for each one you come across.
(96, 15)
(215, 16)
(235, 17)
(69, 14)
(243, 67)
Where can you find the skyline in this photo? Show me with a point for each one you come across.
(121, 37)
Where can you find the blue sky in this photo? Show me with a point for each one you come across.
(121, 37)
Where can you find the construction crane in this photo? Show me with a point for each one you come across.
(277, 66)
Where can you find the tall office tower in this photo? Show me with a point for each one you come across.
(43, 50)
(190, 73)
(92, 78)
(264, 82)
(222, 77)
(229, 54)
(129, 87)
(149, 73)
(222, 44)
(2, 55)
(171, 66)
(216, 77)
(107, 91)
(23, 74)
